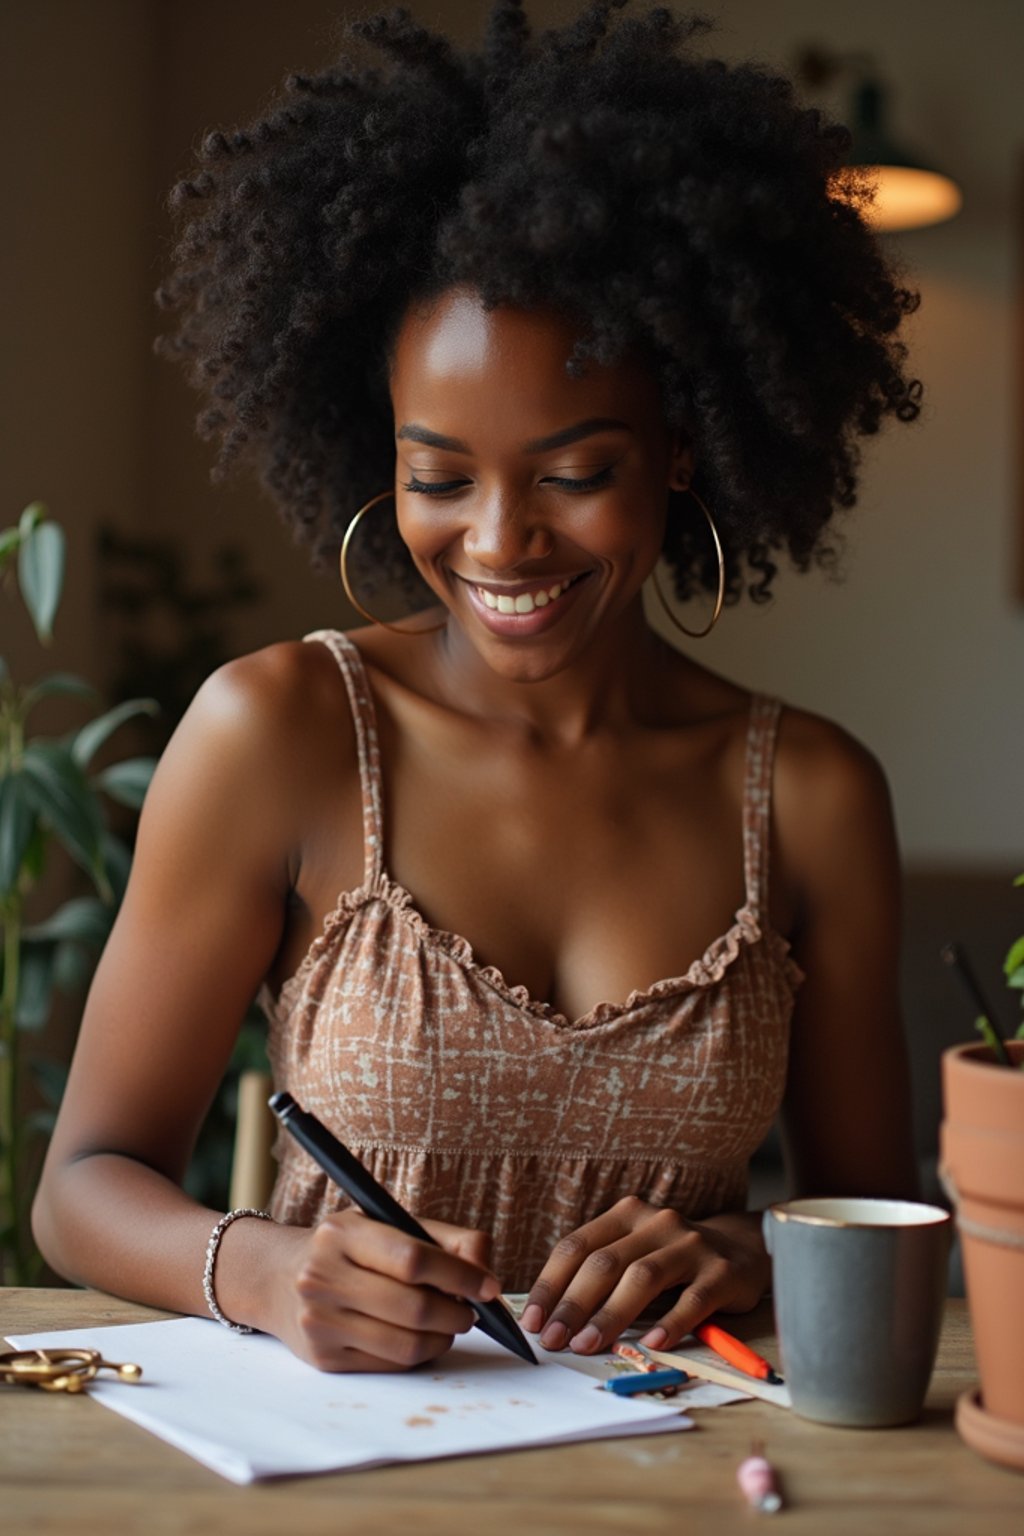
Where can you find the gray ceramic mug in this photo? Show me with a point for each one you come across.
(859, 1289)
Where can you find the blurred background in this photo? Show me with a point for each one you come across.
(919, 649)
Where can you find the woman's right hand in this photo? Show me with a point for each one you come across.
(352, 1294)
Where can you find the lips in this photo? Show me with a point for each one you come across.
(525, 608)
(524, 601)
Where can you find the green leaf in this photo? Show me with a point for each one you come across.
(65, 799)
(35, 513)
(91, 737)
(83, 918)
(40, 1123)
(35, 988)
(1019, 880)
(57, 682)
(17, 819)
(250, 1049)
(51, 1077)
(1016, 978)
(41, 575)
(1015, 958)
(34, 862)
(992, 1039)
(117, 861)
(10, 538)
(72, 966)
(127, 782)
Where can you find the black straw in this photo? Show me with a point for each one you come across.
(954, 956)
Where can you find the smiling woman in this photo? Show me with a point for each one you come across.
(549, 920)
(537, 537)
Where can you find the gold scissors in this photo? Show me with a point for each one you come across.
(59, 1370)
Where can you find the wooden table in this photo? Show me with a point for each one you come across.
(68, 1467)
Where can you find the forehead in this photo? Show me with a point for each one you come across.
(453, 353)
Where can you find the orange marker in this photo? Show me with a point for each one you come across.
(737, 1353)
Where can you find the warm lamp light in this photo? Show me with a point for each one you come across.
(908, 197)
(908, 193)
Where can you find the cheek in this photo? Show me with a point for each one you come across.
(633, 531)
(425, 528)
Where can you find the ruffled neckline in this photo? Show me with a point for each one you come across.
(720, 954)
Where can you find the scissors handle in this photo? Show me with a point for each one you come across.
(60, 1370)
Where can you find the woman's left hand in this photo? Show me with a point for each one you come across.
(602, 1277)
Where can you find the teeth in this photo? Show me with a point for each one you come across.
(526, 602)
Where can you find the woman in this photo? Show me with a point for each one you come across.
(580, 303)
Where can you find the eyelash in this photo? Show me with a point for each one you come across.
(446, 487)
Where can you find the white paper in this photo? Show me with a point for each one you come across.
(245, 1406)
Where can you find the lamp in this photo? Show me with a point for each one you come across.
(909, 193)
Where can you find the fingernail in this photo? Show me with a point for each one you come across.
(655, 1339)
(554, 1335)
(489, 1288)
(532, 1318)
(585, 1339)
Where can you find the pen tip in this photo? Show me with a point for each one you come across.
(775, 1380)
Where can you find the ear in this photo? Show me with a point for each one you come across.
(681, 465)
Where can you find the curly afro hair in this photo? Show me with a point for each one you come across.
(605, 169)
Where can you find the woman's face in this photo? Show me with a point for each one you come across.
(531, 502)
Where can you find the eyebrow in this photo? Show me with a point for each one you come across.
(413, 432)
(417, 434)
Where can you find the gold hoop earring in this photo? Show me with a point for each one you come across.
(343, 567)
(698, 634)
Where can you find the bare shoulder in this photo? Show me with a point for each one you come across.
(269, 707)
(831, 798)
(271, 691)
(266, 736)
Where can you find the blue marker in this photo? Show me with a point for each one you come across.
(645, 1381)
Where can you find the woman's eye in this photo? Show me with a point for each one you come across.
(564, 483)
(591, 483)
(432, 488)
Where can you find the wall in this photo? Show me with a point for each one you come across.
(919, 651)
(75, 133)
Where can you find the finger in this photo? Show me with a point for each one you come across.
(376, 1246)
(420, 1308)
(570, 1253)
(710, 1290)
(616, 1284)
(345, 1340)
(468, 1242)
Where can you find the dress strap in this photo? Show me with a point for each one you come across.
(364, 717)
(757, 797)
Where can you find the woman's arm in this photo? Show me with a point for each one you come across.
(220, 839)
(199, 926)
(847, 1112)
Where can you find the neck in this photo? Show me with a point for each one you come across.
(612, 685)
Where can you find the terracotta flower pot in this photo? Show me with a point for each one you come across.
(982, 1158)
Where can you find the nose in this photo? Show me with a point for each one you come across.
(505, 532)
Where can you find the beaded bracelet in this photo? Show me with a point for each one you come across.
(211, 1259)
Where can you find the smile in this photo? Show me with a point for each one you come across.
(524, 602)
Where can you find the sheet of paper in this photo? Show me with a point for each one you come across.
(246, 1407)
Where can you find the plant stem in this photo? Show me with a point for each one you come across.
(10, 1204)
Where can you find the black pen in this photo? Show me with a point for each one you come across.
(373, 1199)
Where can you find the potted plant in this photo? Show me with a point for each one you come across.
(982, 1159)
(51, 796)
